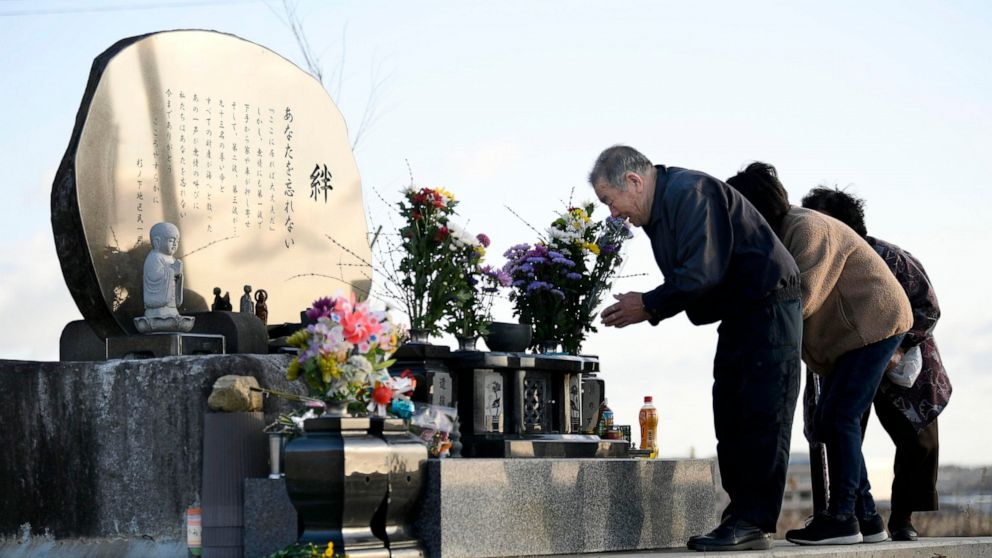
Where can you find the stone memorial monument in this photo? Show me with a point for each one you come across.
(240, 149)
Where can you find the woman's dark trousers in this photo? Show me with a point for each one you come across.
(846, 394)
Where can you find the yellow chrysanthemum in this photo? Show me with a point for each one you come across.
(581, 214)
(299, 339)
(329, 551)
(480, 250)
(293, 372)
(591, 247)
(328, 368)
(445, 193)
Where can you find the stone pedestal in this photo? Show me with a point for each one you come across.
(243, 333)
(161, 345)
(520, 507)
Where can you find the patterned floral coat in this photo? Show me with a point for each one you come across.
(921, 403)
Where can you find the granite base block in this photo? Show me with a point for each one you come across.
(518, 507)
(269, 517)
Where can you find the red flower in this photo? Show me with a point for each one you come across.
(417, 215)
(382, 395)
(442, 233)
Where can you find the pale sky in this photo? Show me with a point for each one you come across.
(508, 103)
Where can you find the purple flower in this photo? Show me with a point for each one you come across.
(558, 293)
(322, 308)
(608, 249)
(483, 240)
(519, 283)
(564, 261)
(537, 259)
(498, 275)
(537, 286)
(555, 255)
(573, 276)
(515, 252)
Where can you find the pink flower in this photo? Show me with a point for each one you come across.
(359, 325)
(483, 240)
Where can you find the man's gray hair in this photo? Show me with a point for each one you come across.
(615, 162)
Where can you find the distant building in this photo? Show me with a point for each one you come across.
(798, 485)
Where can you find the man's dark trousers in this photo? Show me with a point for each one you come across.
(755, 388)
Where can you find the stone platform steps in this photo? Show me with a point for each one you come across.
(942, 547)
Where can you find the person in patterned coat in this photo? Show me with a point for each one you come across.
(909, 415)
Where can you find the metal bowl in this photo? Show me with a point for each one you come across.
(505, 337)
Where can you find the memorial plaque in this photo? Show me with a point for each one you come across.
(241, 149)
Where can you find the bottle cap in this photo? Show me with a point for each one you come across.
(648, 399)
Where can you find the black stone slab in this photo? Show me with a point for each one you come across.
(79, 343)
(161, 345)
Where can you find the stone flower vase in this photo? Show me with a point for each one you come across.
(418, 335)
(466, 343)
(337, 477)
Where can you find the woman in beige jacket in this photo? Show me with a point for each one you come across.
(854, 316)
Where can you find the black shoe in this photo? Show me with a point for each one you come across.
(904, 533)
(732, 534)
(873, 529)
(825, 528)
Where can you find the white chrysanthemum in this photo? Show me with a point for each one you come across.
(565, 237)
(462, 237)
(361, 363)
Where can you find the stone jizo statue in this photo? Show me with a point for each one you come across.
(221, 303)
(247, 306)
(261, 308)
(162, 284)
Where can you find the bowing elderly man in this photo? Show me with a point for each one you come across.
(721, 263)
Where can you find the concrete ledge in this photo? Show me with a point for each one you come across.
(111, 450)
(518, 507)
(93, 548)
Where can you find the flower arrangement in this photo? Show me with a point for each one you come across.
(344, 355)
(476, 285)
(427, 271)
(558, 283)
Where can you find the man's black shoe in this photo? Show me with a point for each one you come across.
(732, 534)
(827, 529)
(904, 533)
(873, 529)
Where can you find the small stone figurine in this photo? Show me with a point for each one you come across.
(221, 304)
(261, 308)
(247, 306)
(162, 283)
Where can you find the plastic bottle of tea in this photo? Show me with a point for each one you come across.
(648, 417)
